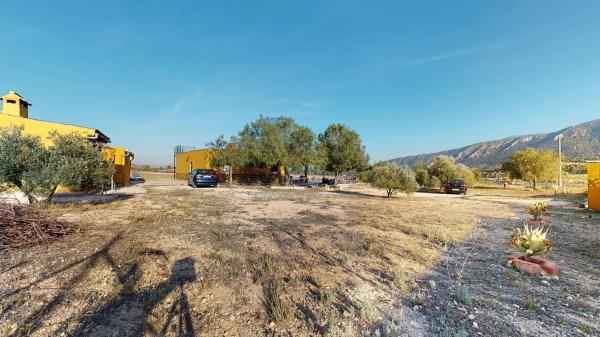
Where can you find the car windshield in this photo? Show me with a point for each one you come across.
(456, 182)
(205, 172)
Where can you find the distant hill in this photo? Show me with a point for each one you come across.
(580, 142)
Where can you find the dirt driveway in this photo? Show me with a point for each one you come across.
(169, 260)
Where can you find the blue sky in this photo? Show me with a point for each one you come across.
(410, 77)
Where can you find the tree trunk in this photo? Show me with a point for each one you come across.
(534, 184)
(230, 176)
(49, 198)
(306, 173)
(335, 179)
(389, 193)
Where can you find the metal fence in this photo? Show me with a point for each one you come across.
(183, 148)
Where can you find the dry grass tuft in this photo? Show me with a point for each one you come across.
(279, 308)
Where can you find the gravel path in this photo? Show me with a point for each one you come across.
(472, 291)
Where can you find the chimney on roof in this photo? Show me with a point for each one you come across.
(13, 104)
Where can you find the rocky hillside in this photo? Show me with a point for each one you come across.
(580, 142)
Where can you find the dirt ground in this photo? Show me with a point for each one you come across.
(168, 260)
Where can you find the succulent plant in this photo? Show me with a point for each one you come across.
(537, 209)
(530, 241)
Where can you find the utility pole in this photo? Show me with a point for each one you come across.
(559, 139)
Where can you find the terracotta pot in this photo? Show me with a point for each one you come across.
(533, 264)
(532, 222)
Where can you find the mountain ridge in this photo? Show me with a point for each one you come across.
(580, 142)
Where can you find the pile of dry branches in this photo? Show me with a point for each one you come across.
(22, 225)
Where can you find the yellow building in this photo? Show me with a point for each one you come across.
(593, 172)
(186, 161)
(15, 112)
(121, 158)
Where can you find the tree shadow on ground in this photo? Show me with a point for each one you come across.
(126, 313)
(92, 199)
(360, 194)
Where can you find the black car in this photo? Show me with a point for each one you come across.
(136, 177)
(456, 186)
(203, 177)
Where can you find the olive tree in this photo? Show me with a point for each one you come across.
(466, 174)
(422, 174)
(444, 168)
(342, 149)
(226, 153)
(303, 148)
(71, 161)
(23, 163)
(77, 164)
(392, 178)
(531, 164)
(266, 141)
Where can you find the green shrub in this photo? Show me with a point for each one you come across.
(537, 209)
(392, 178)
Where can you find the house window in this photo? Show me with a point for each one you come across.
(12, 101)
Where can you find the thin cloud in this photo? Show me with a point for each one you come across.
(455, 54)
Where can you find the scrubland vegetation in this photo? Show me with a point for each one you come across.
(276, 262)
(294, 263)
(164, 259)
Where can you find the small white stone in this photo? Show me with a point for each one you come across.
(471, 317)
(475, 325)
(545, 282)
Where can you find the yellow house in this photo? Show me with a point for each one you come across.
(15, 112)
(593, 172)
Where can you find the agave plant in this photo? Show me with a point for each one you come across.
(537, 209)
(530, 241)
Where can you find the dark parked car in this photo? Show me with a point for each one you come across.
(203, 177)
(456, 186)
(136, 177)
